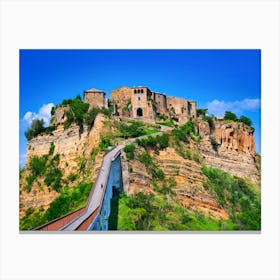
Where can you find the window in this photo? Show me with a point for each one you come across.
(139, 98)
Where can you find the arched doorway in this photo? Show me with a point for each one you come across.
(139, 112)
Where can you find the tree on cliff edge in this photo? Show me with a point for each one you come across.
(37, 126)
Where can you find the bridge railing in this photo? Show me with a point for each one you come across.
(61, 221)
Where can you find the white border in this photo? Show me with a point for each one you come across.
(140, 24)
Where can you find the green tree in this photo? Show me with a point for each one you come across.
(246, 120)
(37, 127)
(201, 112)
(230, 116)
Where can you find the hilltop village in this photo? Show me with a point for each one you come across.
(141, 102)
(179, 168)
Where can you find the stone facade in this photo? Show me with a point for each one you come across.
(181, 109)
(95, 98)
(142, 103)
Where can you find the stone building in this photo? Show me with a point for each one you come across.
(161, 104)
(180, 109)
(95, 98)
(121, 98)
(140, 102)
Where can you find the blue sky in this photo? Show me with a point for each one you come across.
(217, 79)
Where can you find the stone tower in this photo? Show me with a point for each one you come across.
(95, 98)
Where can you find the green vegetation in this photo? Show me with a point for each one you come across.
(162, 212)
(159, 142)
(68, 201)
(37, 128)
(230, 116)
(169, 122)
(239, 198)
(129, 150)
(210, 121)
(214, 144)
(52, 147)
(245, 120)
(131, 130)
(201, 112)
(162, 117)
(37, 165)
(77, 112)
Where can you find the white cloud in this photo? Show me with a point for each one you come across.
(218, 108)
(44, 113)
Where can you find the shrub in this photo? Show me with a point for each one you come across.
(131, 130)
(129, 150)
(237, 196)
(246, 120)
(105, 142)
(230, 116)
(52, 147)
(37, 127)
(30, 179)
(196, 157)
(72, 177)
(210, 121)
(53, 178)
(188, 154)
(37, 165)
(146, 159)
(214, 144)
(201, 112)
(93, 112)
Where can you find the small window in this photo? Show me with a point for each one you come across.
(139, 98)
(142, 91)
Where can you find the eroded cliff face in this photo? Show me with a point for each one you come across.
(235, 152)
(73, 145)
(188, 181)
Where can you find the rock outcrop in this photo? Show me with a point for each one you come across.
(235, 148)
(71, 144)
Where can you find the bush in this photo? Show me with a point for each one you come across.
(93, 112)
(53, 179)
(188, 154)
(196, 157)
(237, 196)
(72, 177)
(230, 116)
(246, 120)
(201, 112)
(30, 179)
(131, 130)
(52, 147)
(37, 127)
(146, 159)
(104, 143)
(214, 144)
(160, 142)
(210, 121)
(129, 150)
(37, 165)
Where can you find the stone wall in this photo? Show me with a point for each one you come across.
(121, 97)
(95, 98)
(142, 103)
(161, 105)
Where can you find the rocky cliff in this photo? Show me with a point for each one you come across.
(229, 146)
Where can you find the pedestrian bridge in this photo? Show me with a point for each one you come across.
(95, 215)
